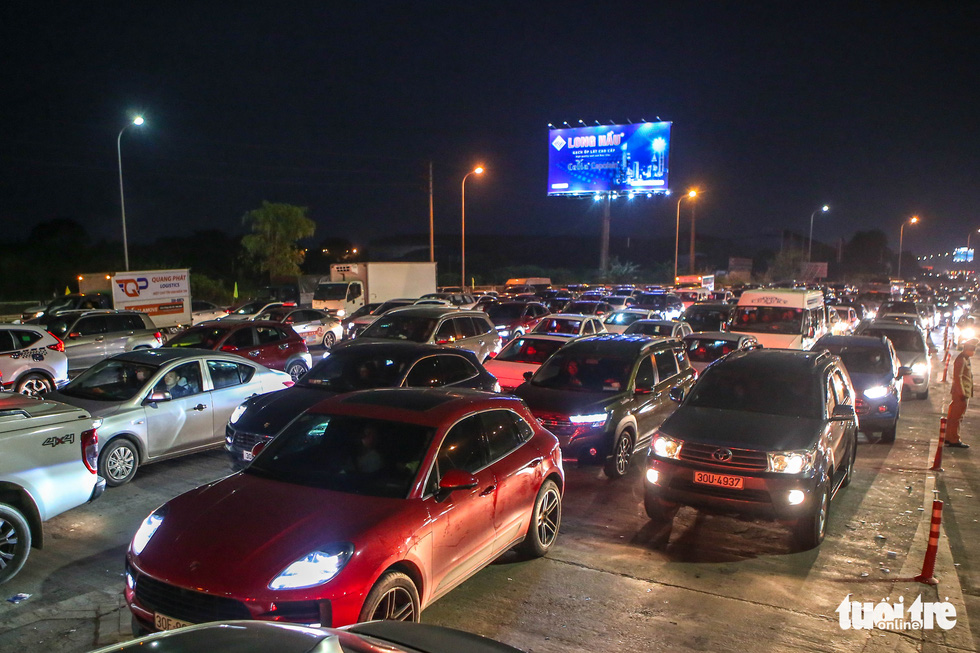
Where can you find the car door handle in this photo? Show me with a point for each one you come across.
(488, 491)
(284, 346)
(534, 463)
(200, 407)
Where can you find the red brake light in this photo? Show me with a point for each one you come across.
(159, 337)
(289, 303)
(90, 450)
(59, 345)
(290, 383)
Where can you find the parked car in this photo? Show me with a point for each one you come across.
(876, 374)
(471, 330)
(392, 364)
(373, 503)
(45, 314)
(457, 299)
(515, 318)
(659, 328)
(910, 343)
(357, 323)
(705, 347)
(48, 453)
(604, 396)
(569, 325)
(848, 317)
(619, 321)
(521, 355)
(32, 361)
(270, 344)
(313, 326)
(91, 336)
(766, 433)
(708, 316)
(202, 311)
(249, 310)
(163, 403)
(588, 307)
(669, 304)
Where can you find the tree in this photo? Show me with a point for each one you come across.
(276, 228)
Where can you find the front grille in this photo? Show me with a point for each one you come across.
(247, 440)
(754, 496)
(187, 605)
(558, 424)
(742, 459)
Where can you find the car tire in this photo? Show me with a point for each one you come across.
(34, 384)
(15, 541)
(659, 510)
(118, 462)
(329, 340)
(618, 464)
(296, 369)
(393, 598)
(888, 435)
(809, 531)
(542, 531)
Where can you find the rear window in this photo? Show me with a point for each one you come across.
(401, 327)
(705, 350)
(902, 339)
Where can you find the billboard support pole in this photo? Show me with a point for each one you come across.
(604, 238)
(692, 240)
(432, 238)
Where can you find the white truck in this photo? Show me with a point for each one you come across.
(164, 295)
(49, 453)
(351, 285)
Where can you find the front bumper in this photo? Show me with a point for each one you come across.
(579, 442)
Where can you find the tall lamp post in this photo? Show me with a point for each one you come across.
(968, 240)
(901, 233)
(677, 232)
(462, 258)
(138, 120)
(809, 247)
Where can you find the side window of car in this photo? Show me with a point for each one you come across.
(22, 339)
(136, 322)
(588, 328)
(503, 432)
(425, 374)
(446, 333)
(666, 364)
(463, 449)
(6, 342)
(90, 326)
(269, 335)
(181, 381)
(242, 338)
(842, 395)
(645, 376)
(466, 327)
(454, 369)
(118, 323)
(682, 361)
(225, 374)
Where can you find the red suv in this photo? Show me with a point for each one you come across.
(274, 345)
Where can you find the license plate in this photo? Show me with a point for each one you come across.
(163, 622)
(247, 456)
(719, 480)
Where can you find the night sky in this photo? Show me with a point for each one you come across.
(777, 108)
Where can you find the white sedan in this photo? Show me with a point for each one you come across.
(570, 325)
(618, 321)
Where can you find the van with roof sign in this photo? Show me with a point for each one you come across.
(781, 318)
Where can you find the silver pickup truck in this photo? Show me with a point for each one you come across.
(49, 453)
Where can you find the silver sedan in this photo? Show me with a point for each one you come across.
(162, 403)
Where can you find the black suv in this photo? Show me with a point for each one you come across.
(767, 432)
(604, 396)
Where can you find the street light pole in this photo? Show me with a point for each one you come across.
(677, 232)
(901, 235)
(462, 257)
(138, 120)
(968, 239)
(809, 247)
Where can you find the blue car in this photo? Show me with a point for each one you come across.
(877, 374)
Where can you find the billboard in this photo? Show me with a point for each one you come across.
(963, 255)
(609, 158)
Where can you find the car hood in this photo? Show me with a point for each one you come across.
(565, 402)
(269, 413)
(95, 407)
(743, 430)
(240, 532)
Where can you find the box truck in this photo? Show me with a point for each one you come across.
(351, 285)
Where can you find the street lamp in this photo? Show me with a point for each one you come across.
(809, 247)
(677, 232)
(138, 120)
(901, 233)
(462, 258)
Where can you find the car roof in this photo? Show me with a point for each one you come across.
(433, 311)
(895, 325)
(717, 335)
(569, 316)
(871, 342)
(796, 361)
(532, 335)
(660, 322)
(395, 348)
(426, 406)
(164, 355)
(616, 343)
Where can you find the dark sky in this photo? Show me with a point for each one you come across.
(777, 108)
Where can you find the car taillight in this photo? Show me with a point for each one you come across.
(59, 345)
(90, 449)
(159, 337)
(290, 383)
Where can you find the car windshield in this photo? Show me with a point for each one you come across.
(706, 350)
(623, 319)
(387, 306)
(552, 325)
(505, 312)
(768, 319)
(250, 309)
(355, 369)
(705, 319)
(401, 327)
(528, 350)
(357, 455)
(60, 303)
(902, 339)
(367, 309)
(328, 291)
(756, 389)
(864, 360)
(111, 380)
(200, 338)
(584, 372)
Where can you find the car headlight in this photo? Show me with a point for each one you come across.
(315, 568)
(920, 369)
(876, 392)
(237, 413)
(666, 446)
(967, 333)
(596, 419)
(147, 529)
(790, 462)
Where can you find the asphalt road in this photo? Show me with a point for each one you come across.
(613, 581)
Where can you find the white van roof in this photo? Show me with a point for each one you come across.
(788, 297)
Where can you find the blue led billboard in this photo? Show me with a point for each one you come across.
(963, 255)
(609, 158)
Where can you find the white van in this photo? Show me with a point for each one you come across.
(781, 318)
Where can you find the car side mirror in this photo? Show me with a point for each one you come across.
(158, 396)
(457, 479)
(843, 413)
(528, 375)
(676, 394)
(904, 370)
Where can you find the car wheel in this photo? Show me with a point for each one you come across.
(545, 521)
(622, 454)
(810, 530)
(888, 435)
(15, 541)
(659, 510)
(329, 340)
(393, 598)
(296, 369)
(34, 384)
(118, 462)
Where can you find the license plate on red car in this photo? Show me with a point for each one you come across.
(163, 622)
(719, 480)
